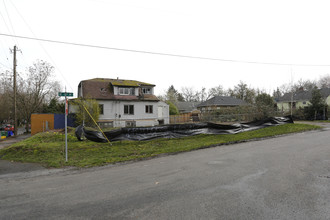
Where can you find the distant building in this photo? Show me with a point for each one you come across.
(125, 103)
(300, 99)
(219, 102)
(187, 107)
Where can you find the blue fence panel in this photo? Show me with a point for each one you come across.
(59, 121)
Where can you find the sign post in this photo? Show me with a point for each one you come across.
(65, 94)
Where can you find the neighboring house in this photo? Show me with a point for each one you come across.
(219, 102)
(187, 113)
(125, 103)
(187, 107)
(300, 99)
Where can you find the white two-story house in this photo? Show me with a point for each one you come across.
(125, 103)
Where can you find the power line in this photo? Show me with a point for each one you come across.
(162, 54)
(8, 29)
(51, 59)
(4, 20)
(10, 23)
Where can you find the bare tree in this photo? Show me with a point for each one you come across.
(304, 85)
(6, 105)
(189, 94)
(324, 81)
(242, 91)
(217, 91)
(35, 89)
(202, 95)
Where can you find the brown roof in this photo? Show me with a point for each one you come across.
(222, 101)
(101, 89)
(120, 82)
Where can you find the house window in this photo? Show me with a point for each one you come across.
(101, 109)
(146, 91)
(149, 109)
(126, 91)
(129, 109)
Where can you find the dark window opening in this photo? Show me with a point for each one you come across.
(101, 109)
(146, 90)
(149, 109)
(129, 109)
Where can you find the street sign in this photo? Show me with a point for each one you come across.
(65, 94)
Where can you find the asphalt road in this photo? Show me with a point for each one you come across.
(281, 178)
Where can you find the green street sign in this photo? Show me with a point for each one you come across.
(65, 94)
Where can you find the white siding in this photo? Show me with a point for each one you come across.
(164, 112)
(114, 111)
(115, 90)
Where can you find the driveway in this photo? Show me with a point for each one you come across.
(281, 178)
(11, 140)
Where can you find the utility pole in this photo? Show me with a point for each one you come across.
(66, 127)
(15, 90)
(291, 92)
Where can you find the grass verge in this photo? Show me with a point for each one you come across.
(48, 148)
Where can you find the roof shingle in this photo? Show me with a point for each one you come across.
(302, 95)
(99, 88)
(222, 101)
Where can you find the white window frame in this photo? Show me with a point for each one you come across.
(126, 91)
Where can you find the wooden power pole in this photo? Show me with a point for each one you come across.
(15, 89)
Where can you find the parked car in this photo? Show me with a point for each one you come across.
(9, 127)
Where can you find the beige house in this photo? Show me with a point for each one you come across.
(299, 99)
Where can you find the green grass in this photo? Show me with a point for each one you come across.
(48, 148)
(321, 121)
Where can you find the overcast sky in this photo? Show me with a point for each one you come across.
(255, 32)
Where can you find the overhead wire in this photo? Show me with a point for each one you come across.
(10, 23)
(4, 21)
(44, 49)
(26, 23)
(162, 54)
